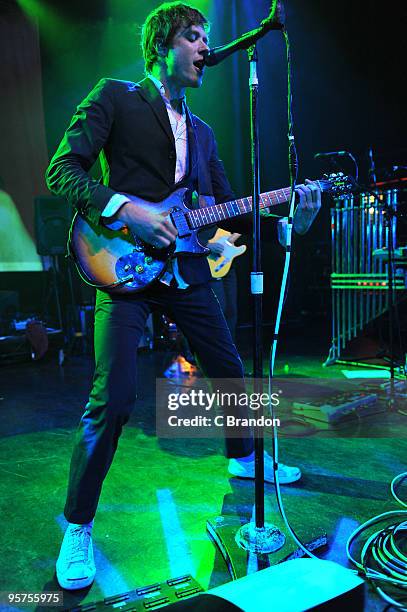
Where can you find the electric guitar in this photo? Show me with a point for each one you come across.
(117, 261)
(220, 264)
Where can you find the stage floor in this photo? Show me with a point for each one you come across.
(150, 524)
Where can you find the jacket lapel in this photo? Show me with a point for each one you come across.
(192, 145)
(152, 96)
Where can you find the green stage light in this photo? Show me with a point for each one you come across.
(50, 23)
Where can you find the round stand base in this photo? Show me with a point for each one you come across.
(223, 532)
(260, 540)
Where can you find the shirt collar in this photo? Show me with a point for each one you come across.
(161, 89)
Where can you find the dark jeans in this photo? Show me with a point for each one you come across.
(119, 324)
(226, 291)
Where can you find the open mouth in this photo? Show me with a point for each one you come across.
(200, 64)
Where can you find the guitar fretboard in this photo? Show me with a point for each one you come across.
(219, 212)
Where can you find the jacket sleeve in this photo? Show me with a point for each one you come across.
(68, 172)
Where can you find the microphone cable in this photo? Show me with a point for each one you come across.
(293, 169)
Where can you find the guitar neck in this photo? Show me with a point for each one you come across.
(202, 217)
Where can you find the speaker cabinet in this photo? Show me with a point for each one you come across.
(53, 217)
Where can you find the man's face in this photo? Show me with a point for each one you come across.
(185, 56)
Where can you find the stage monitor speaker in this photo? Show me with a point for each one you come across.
(295, 586)
(52, 221)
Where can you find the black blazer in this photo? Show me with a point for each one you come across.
(126, 124)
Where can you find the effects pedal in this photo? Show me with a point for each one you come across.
(337, 410)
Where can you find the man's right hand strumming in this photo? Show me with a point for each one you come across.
(154, 228)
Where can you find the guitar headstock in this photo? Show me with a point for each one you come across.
(337, 184)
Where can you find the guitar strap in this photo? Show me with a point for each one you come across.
(202, 178)
(196, 167)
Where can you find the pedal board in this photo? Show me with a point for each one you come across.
(339, 409)
(150, 597)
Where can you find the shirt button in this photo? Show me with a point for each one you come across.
(172, 155)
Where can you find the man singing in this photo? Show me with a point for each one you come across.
(149, 144)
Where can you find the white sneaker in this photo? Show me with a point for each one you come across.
(75, 567)
(245, 469)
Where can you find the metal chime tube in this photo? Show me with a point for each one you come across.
(358, 229)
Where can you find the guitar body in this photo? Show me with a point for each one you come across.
(118, 262)
(220, 264)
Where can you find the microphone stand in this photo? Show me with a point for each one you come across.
(256, 284)
(249, 544)
(257, 536)
(389, 214)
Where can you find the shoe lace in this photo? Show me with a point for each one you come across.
(79, 544)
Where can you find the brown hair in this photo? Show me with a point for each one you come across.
(162, 24)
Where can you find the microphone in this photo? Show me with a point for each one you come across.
(332, 154)
(275, 21)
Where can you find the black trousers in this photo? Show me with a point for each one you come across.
(119, 324)
(225, 290)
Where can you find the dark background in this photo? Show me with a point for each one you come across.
(348, 63)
